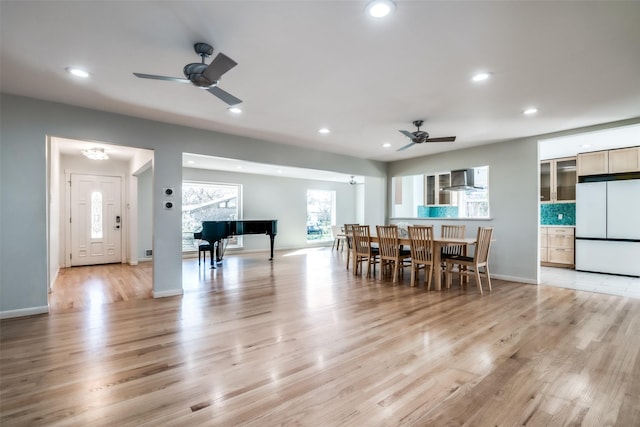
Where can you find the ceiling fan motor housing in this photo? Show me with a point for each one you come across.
(420, 136)
(194, 72)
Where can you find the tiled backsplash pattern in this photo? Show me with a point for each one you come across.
(437, 211)
(549, 213)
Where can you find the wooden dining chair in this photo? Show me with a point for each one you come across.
(392, 256)
(348, 233)
(363, 251)
(421, 241)
(456, 232)
(338, 237)
(467, 265)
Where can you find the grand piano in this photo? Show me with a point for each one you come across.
(215, 232)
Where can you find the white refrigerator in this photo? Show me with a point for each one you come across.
(608, 227)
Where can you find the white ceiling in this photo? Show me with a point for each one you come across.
(307, 64)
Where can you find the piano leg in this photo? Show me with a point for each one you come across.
(272, 238)
(219, 251)
(211, 250)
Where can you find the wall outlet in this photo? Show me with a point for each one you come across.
(148, 252)
(560, 216)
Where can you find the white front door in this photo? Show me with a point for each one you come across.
(96, 219)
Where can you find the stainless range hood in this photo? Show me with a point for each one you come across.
(462, 180)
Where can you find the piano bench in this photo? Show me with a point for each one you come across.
(205, 247)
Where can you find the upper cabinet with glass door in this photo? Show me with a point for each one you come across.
(434, 189)
(558, 180)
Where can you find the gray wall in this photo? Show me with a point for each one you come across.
(25, 124)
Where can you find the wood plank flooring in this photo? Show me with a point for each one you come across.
(91, 285)
(300, 341)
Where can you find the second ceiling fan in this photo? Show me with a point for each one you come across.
(420, 136)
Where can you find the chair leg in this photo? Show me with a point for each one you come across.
(477, 274)
(486, 269)
(395, 271)
(413, 274)
(428, 270)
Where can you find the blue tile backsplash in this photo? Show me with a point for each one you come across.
(549, 213)
(437, 211)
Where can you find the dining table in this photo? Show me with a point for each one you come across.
(438, 244)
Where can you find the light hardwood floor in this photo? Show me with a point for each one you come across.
(300, 341)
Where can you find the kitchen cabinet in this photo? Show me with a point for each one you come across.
(434, 185)
(621, 160)
(557, 246)
(544, 244)
(595, 163)
(558, 180)
(624, 160)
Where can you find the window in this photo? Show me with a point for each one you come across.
(208, 202)
(96, 215)
(320, 214)
(436, 195)
(475, 203)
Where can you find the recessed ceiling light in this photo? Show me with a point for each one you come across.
(78, 72)
(386, 145)
(530, 111)
(380, 8)
(324, 130)
(480, 77)
(235, 110)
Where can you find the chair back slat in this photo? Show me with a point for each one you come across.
(388, 241)
(483, 244)
(361, 239)
(421, 240)
(348, 231)
(456, 232)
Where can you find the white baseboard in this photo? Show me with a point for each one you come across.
(169, 293)
(514, 279)
(24, 312)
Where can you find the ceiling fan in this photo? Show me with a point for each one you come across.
(202, 75)
(420, 136)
